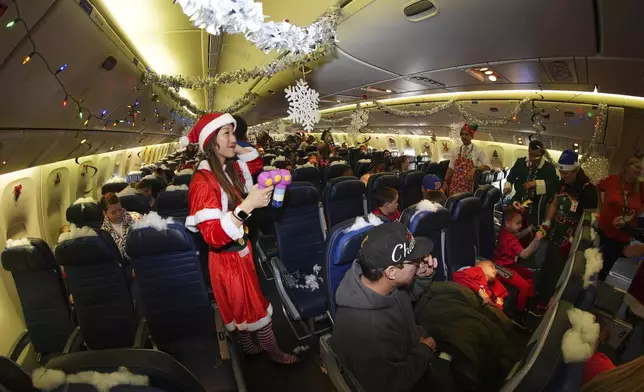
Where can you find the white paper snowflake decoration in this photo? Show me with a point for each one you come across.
(303, 105)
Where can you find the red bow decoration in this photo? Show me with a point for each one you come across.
(17, 191)
(470, 130)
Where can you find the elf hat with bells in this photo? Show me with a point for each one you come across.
(206, 127)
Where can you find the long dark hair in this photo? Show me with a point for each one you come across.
(234, 188)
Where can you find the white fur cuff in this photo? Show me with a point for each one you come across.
(229, 227)
(541, 187)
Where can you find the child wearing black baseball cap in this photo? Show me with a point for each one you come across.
(375, 334)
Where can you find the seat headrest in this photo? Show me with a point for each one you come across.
(301, 195)
(115, 187)
(382, 180)
(434, 168)
(306, 174)
(85, 214)
(412, 178)
(170, 201)
(182, 179)
(88, 250)
(341, 188)
(463, 205)
(136, 203)
(489, 196)
(156, 183)
(335, 171)
(344, 246)
(149, 241)
(423, 222)
(36, 256)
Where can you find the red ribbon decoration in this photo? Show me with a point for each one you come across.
(468, 129)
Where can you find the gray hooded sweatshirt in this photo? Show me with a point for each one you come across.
(376, 336)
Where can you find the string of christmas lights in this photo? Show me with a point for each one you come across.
(85, 114)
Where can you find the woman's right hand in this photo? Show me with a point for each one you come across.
(619, 222)
(634, 250)
(258, 197)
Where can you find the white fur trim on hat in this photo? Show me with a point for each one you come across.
(184, 141)
(212, 126)
(569, 167)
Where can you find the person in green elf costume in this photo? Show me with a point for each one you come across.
(575, 195)
(533, 178)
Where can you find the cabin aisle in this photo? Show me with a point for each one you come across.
(261, 374)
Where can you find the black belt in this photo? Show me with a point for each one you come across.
(232, 246)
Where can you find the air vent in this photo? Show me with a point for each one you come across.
(561, 71)
(569, 114)
(494, 110)
(418, 10)
(426, 81)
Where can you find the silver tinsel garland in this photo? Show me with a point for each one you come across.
(594, 164)
(290, 61)
(455, 132)
(359, 120)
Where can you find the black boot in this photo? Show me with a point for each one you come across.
(519, 322)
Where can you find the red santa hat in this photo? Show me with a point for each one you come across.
(207, 126)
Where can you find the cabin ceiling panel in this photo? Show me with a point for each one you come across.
(621, 28)
(30, 12)
(615, 75)
(343, 72)
(468, 32)
(526, 71)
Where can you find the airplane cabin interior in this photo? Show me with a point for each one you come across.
(330, 195)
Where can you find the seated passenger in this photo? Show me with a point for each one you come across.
(348, 172)
(117, 221)
(627, 377)
(376, 167)
(313, 159)
(599, 362)
(375, 335)
(482, 280)
(508, 250)
(160, 174)
(144, 188)
(433, 189)
(387, 204)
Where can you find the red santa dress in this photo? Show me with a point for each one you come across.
(230, 262)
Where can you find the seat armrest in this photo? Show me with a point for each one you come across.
(19, 346)
(505, 273)
(142, 334)
(74, 341)
(282, 272)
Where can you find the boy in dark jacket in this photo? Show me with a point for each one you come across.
(375, 334)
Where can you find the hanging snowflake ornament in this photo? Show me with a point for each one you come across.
(455, 131)
(303, 104)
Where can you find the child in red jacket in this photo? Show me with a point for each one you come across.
(507, 252)
(482, 280)
(386, 203)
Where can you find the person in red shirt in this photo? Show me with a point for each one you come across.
(509, 249)
(622, 201)
(482, 280)
(387, 204)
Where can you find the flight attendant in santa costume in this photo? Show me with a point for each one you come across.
(218, 209)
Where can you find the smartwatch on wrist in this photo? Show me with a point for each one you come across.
(241, 214)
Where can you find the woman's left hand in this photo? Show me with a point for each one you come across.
(529, 185)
